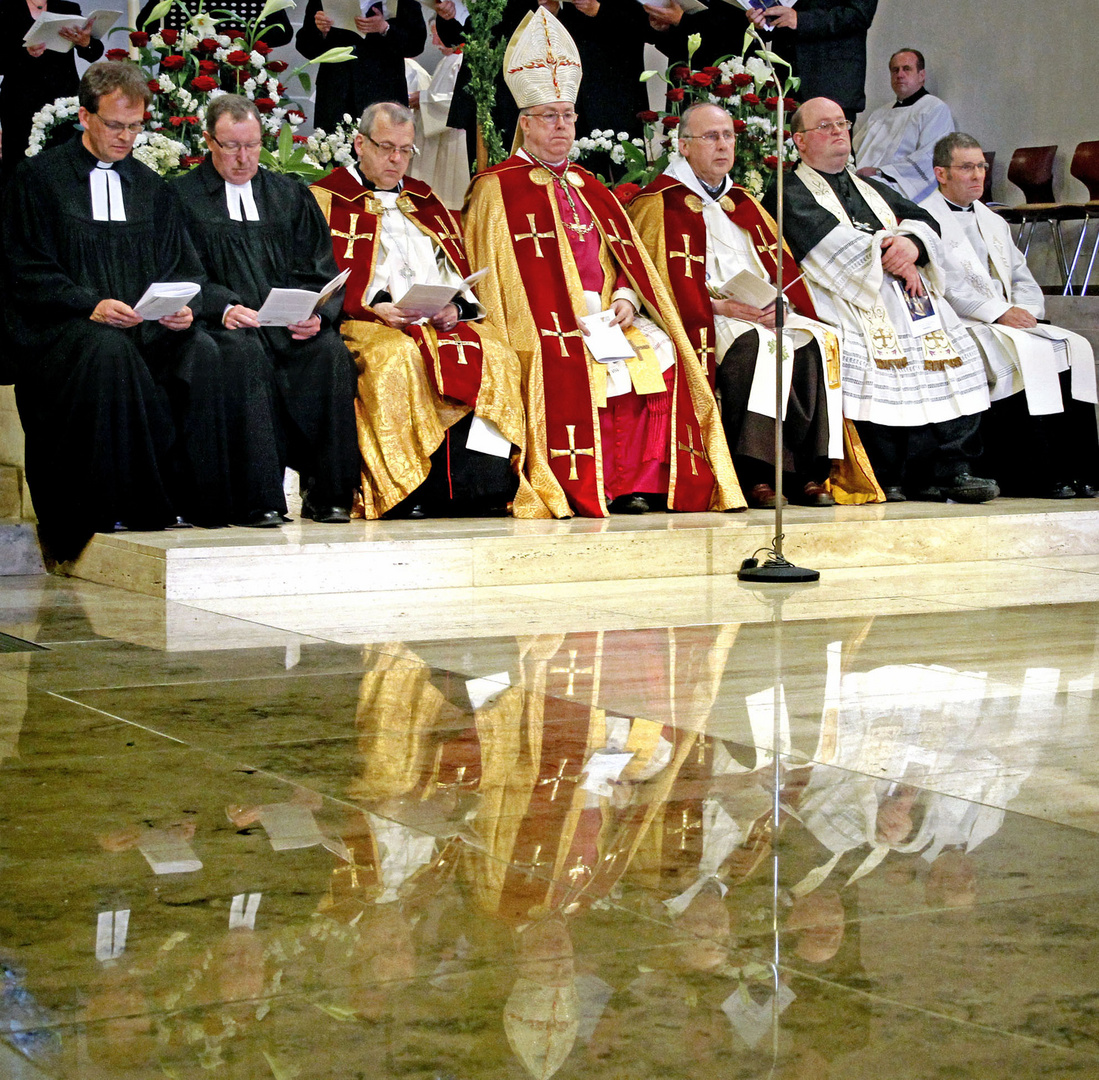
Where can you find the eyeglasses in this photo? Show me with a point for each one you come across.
(826, 127)
(714, 136)
(115, 127)
(233, 147)
(553, 118)
(971, 167)
(389, 149)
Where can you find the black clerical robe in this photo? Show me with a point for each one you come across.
(308, 405)
(122, 425)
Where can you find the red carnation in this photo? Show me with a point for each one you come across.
(711, 70)
(204, 84)
(722, 90)
(237, 57)
(207, 46)
(264, 104)
(192, 159)
(118, 54)
(301, 138)
(790, 104)
(771, 161)
(169, 37)
(190, 119)
(173, 63)
(670, 121)
(277, 67)
(701, 78)
(681, 72)
(146, 116)
(281, 90)
(742, 79)
(740, 125)
(750, 99)
(175, 121)
(154, 86)
(771, 103)
(675, 93)
(647, 116)
(209, 67)
(625, 192)
(139, 39)
(262, 48)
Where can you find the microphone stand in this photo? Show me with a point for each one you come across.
(776, 569)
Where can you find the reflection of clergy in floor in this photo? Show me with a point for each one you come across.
(439, 407)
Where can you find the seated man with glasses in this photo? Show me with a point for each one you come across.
(912, 380)
(120, 412)
(639, 427)
(1041, 442)
(256, 230)
(694, 209)
(439, 408)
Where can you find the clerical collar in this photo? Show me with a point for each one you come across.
(958, 209)
(369, 184)
(240, 201)
(912, 99)
(106, 193)
(558, 169)
(713, 192)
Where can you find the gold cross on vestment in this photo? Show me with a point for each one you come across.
(686, 256)
(578, 870)
(572, 452)
(460, 345)
(534, 235)
(556, 780)
(704, 349)
(689, 447)
(685, 828)
(625, 241)
(771, 249)
(351, 236)
(445, 234)
(883, 338)
(559, 333)
(535, 863)
(572, 670)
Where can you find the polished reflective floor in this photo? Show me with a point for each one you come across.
(674, 828)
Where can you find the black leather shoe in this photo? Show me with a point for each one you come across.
(325, 515)
(1083, 489)
(965, 488)
(262, 519)
(629, 504)
(895, 493)
(1057, 490)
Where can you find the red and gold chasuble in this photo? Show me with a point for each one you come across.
(563, 424)
(683, 266)
(453, 360)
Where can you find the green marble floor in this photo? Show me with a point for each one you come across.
(390, 836)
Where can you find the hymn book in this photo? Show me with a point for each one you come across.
(426, 301)
(164, 298)
(46, 29)
(286, 307)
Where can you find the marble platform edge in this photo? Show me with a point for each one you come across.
(311, 559)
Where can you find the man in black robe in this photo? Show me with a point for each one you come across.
(255, 231)
(128, 421)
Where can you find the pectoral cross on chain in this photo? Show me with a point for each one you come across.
(572, 452)
(351, 236)
(686, 256)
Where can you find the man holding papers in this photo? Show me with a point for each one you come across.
(257, 231)
(912, 378)
(439, 406)
(624, 435)
(128, 421)
(727, 303)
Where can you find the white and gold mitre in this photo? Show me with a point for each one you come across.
(541, 63)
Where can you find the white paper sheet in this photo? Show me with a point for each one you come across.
(164, 298)
(606, 343)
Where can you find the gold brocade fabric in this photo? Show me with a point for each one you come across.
(401, 420)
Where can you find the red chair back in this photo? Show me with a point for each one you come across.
(1085, 167)
(1031, 169)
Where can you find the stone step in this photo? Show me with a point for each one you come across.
(304, 558)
